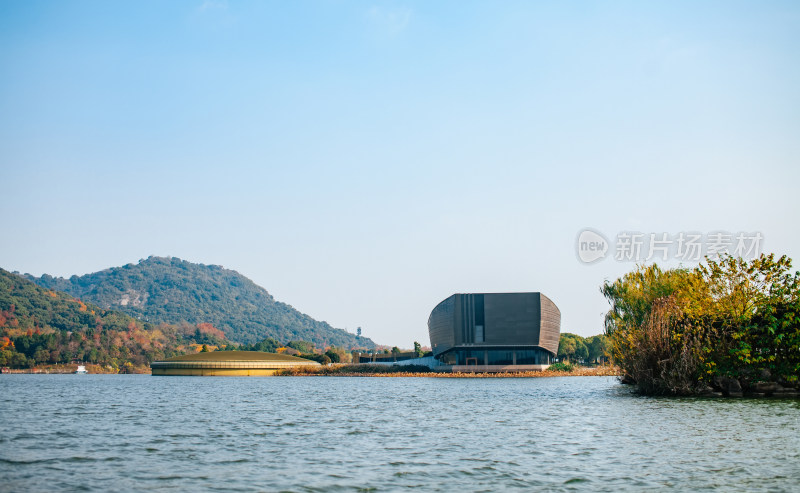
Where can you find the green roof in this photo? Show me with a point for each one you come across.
(239, 356)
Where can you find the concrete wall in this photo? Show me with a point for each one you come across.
(212, 372)
(497, 368)
(428, 361)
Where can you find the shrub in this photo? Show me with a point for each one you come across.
(676, 331)
(561, 367)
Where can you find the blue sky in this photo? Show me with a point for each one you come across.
(364, 160)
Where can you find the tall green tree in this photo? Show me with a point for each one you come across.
(333, 355)
(571, 347)
(304, 347)
(598, 348)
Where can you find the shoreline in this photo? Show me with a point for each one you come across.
(599, 371)
(69, 368)
(341, 371)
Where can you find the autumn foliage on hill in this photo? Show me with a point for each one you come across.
(42, 326)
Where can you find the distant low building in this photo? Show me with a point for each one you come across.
(495, 332)
(373, 357)
(228, 363)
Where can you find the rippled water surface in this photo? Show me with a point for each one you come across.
(138, 432)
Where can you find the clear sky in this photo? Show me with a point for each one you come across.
(362, 161)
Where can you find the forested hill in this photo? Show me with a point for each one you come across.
(172, 290)
(43, 326)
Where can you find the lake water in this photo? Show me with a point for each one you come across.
(138, 432)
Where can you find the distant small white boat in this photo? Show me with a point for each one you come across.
(81, 370)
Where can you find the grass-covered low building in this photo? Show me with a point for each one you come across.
(228, 363)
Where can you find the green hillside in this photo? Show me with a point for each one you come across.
(42, 326)
(172, 290)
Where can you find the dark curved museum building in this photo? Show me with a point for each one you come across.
(495, 331)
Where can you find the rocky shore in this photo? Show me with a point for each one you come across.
(752, 385)
(748, 384)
